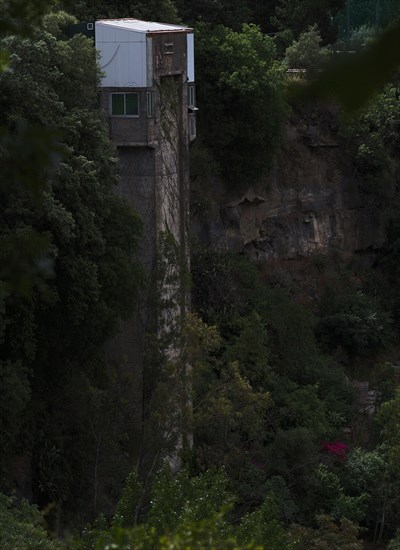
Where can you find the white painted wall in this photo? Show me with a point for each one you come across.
(150, 62)
(122, 56)
(190, 56)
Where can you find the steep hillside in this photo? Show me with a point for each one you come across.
(311, 202)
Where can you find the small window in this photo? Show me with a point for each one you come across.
(89, 26)
(169, 48)
(191, 97)
(118, 104)
(125, 104)
(132, 104)
(150, 103)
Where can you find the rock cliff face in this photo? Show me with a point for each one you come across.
(310, 202)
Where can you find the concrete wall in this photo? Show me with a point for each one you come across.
(154, 179)
(125, 351)
(130, 131)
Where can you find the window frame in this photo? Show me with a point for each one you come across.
(124, 94)
(191, 96)
(150, 104)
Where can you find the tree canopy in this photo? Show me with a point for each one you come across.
(240, 94)
(57, 204)
(282, 455)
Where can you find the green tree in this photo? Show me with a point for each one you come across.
(351, 319)
(356, 79)
(152, 10)
(307, 53)
(371, 13)
(230, 394)
(85, 276)
(264, 528)
(394, 544)
(21, 526)
(301, 15)
(229, 13)
(342, 535)
(389, 502)
(332, 498)
(242, 107)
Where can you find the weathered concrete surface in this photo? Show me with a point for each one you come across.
(137, 169)
(310, 202)
(154, 180)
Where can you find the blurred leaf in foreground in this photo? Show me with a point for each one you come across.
(354, 80)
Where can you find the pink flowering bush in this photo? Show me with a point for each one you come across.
(335, 448)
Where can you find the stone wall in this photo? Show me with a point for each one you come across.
(310, 203)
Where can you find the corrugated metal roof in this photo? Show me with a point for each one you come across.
(143, 26)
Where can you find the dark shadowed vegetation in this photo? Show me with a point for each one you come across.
(283, 456)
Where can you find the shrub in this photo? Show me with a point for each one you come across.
(307, 53)
(21, 527)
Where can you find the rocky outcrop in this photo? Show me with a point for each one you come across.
(310, 203)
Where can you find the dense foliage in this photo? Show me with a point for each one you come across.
(68, 255)
(241, 98)
(86, 10)
(359, 13)
(22, 527)
(272, 17)
(306, 13)
(307, 53)
(271, 406)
